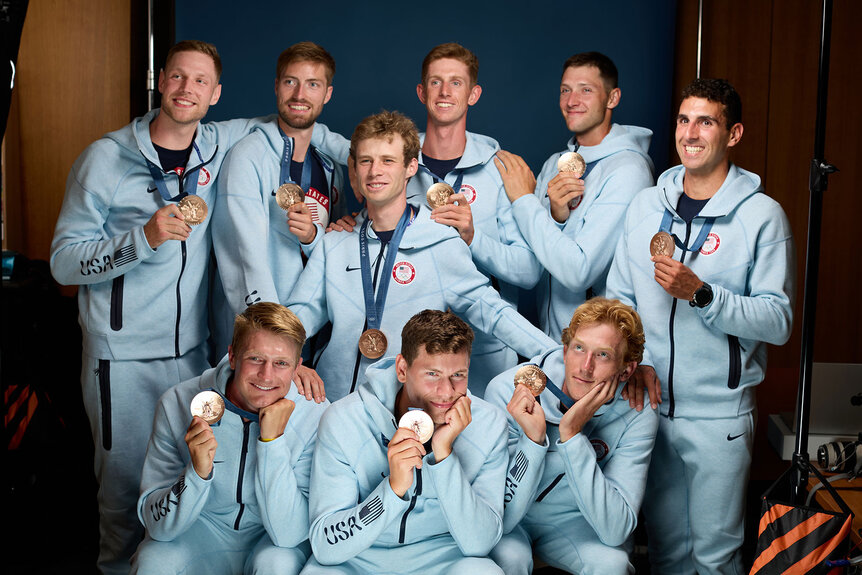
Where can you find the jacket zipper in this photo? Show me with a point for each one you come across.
(672, 407)
(180, 299)
(735, 371)
(117, 303)
(548, 489)
(105, 396)
(416, 493)
(246, 425)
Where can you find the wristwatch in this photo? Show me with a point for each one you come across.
(702, 296)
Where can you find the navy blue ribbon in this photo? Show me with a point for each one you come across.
(238, 410)
(667, 221)
(551, 386)
(286, 158)
(190, 176)
(458, 178)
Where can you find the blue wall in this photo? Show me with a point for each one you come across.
(379, 46)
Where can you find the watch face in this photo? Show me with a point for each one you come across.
(703, 296)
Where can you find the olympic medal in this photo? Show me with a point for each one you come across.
(572, 162)
(533, 377)
(438, 194)
(194, 209)
(661, 244)
(372, 343)
(208, 405)
(288, 194)
(418, 421)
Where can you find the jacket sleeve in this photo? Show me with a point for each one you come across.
(241, 231)
(173, 495)
(282, 489)
(610, 498)
(765, 313)
(330, 143)
(473, 511)
(308, 298)
(580, 260)
(508, 258)
(341, 528)
(81, 251)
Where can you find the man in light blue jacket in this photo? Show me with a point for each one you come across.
(578, 455)
(398, 262)
(142, 271)
(706, 258)
(260, 247)
(231, 496)
(382, 501)
(572, 223)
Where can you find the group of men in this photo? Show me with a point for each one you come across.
(412, 308)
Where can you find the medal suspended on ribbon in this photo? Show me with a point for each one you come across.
(419, 422)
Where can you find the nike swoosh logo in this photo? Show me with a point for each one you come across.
(732, 437)
(350, 269)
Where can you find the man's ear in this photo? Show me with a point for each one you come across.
(475, 94)
(630, 368)
(401, 368)
(614, 98)
(735, 134)
(420, 92)
(231, 358)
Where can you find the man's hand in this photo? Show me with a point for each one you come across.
(458, 216)
(300, 223)
(578, 415)
(457, 418)
(405, 452)
(274, 418)
(528, 413)
(309, 384)
(644, 377)
(202, 446)
(518, 178)
(676, 278)
(166, 224)
(562, 189)
(344, 224)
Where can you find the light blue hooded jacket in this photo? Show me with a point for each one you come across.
(577, 255)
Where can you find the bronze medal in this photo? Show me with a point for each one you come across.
(288, 194)
(418, 421)
(438, 194)
(194, 209)
(372, 343)
(208, 405)
(661, 244)
(572, 162)
(533, 377)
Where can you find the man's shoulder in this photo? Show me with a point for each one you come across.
(489, 423)
(343, 417)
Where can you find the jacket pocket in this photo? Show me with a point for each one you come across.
(734, 372)
(105, 396)
(117, 304)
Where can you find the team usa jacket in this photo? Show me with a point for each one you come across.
(455, 505)
(709, 359)
(433, 270)
(599, 475)
(253, 483)
(136, 302)
(259, 258)
(577, 255)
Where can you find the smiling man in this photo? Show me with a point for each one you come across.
(231, 496)
(260, 246)
(384, 502)
(368, 282)
(578, 455)
(142, 271)
(710, 302)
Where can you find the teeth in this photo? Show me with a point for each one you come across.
(444, 105)
(303, 108)
(262, 388)
(183, 102)
(694, 149)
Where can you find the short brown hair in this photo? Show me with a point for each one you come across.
(196, 46)
(306, 52)
(385, 125)
(271, 317)
(719, 91)
(615, 313)
(455, 52)
(437, 332)
(606, 67)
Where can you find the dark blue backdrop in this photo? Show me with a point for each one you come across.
(379, 46)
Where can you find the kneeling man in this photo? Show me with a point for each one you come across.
(230, 496)
(385, 502)
(578, 454)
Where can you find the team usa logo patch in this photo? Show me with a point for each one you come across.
(204, 177)
(404, 273)
(711, 244)
(469, 192)
(600, 447)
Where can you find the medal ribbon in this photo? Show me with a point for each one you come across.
(550, 385)
(287, 156)
(237, 410)
(190, 176)
(667, 221)
(374, 309)
(458, 178)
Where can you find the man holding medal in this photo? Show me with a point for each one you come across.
(422, 496)
(572, 221)
(368, 282)
(277, 192)
(140, 256)
(224, 489)
(578, 455)
(707, 260)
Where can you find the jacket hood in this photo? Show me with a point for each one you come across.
(478, 151)
(738, 186)
(422, 232)
(378, 393)
(142, 143)
(269, 130)
(619, 139)
(217, 377)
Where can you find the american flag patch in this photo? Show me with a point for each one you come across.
(520, 467)
(371, 511)
(124, 255)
